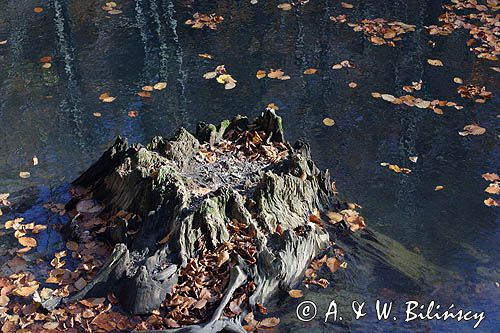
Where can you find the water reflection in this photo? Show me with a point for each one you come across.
(48, 113)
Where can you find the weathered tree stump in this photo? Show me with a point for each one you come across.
(231, 203)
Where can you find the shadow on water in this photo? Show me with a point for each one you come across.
(49, 113)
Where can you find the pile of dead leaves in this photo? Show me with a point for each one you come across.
(477, 93)
(251, 144)
(221, 76)
(199, 21)
(493, 188)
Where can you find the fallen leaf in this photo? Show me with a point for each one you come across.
(205, 56)
(493, 188)
(310, 71)
(108, 99)
(435, 62)
(346, 5)
(491, 177)
(34, 160)
(46, 59)
(38, 9)
(160, 85)
(24, 174)
(438, 188)
(147, 88)
(27, 241)
(413, 159)
(285, 6)
(458, 80)
(328, 122)
(295, 293)
(133, 114)
(145, 94)
(353, 85)
(472, 130)
(490, 202)
(97, 114)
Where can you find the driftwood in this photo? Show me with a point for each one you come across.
(197, 194)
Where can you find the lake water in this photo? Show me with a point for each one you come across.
(49, 113)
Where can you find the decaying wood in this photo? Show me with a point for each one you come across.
(189, 193)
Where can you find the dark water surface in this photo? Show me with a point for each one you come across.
(49, 113)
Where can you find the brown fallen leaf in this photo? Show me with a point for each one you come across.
(493, 188)
(435, 62)
(295, 293)
(438, 188)
(310, 71)
(490, 202)
(133, 114)
(27, 241)
(353, 85)
(413, 159)
(472, 129)
(491, 177)
(285, 6)
(205, 56)
(346, 5)
(145, 94)
(147, 88)
(38, 9)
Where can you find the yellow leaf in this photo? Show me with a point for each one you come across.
(295, 293)
(27, 241)
(328, 122)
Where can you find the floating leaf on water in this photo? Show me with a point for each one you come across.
(346, 5)
(109, 99)
(3, 42)
(491, 177)
(490, 202)
(133, 114)
(435, 62)
(284, 6)
(413, 159)
(160, 85)
(205, 56)
(96, 114)
(458, 80)
(145, 94)
(24, 174)
(439, 188)
(328, 122)
(34, 160)
(147, 88)
(353, 85)
(310, 71)
(493, 188)
(38, 9)
(260, 74)
(46, 59)
(472, 129)
(210, 75)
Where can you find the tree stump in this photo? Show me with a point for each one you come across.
(233, 212)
